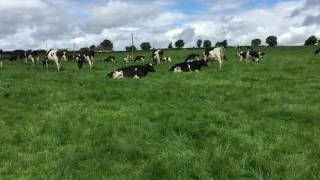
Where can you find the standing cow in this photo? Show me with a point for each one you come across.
(1, 60)
(33, 56)
(54, 56)
(217, 54)
(254, 55)
(157, 56)
(86, 57)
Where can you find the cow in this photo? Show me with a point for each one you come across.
(192, 57)
(217, 54)
(166, 59)
(137, 71)
(87, 57)
(127, 59)
(253, 55)
(111, 59)
(317, 52)
(139, 58)
(1, 60)
(33, 56)
(18, 55)
(53, 56)
(64, 56)
(189, 66)
(157, 55)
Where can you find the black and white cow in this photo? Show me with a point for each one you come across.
(317, 52)
(18, 55)
(192, 57)
(253, 55)
(157, 55)
(86, 57)
(166, 59)
(189, 66)
(127, 59)
(139, 58)
(1, 60)
(53, 56)
(137, 71)
(111, 59)
(217, 54)
(33, 56)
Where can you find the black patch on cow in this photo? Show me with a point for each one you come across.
(139, 58)
(189, 66)
(192, 57)
(207, 50)
(132, 71)
(110, 59)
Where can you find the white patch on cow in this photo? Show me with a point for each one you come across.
(136, 76)
(117, 74)
(217, 54)
(135, 69)
(177, 69)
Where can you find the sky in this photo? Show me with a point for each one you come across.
(46, 24)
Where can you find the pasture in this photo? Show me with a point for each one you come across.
(246, 121)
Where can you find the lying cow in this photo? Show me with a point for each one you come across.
(139, 58)
(53, 56)
(127, 59)
(137, 71)
(189, 66)
(111, 59)
(166, 59)
(317, 52)
(192, 57)
(86, 57)
(1, 60)
(217, 54)
(253, 55)
(157, 56)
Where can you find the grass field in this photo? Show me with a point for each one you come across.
(246, 121)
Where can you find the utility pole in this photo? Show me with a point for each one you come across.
(132, 46)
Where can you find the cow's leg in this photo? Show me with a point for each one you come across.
(56, 61)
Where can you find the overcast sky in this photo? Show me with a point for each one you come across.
(31, 24)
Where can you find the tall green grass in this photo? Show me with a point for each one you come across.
(246, 121)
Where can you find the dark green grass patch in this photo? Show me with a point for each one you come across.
(246, 121)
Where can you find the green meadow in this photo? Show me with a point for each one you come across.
(245, 121)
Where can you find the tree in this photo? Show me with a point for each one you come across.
(256, 42)
(130, 48)
(199, 43)
(272, 41)
(170, 46)
(179, 44)
(145, 46)
(92, 46)
(223, 43)
(106, 44)
(207, 43)
(312, 40)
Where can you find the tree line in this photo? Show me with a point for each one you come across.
(271, 41)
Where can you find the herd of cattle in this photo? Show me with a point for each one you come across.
(193, 62)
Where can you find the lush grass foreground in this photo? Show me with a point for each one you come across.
(254, 120)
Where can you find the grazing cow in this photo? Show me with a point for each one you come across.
(157, 56)
(137, 71)
(86, 57)
(127, 59)
(189, 66)
(217, 54)
(192, 57)
(254, 55)
(18, 54)
(166, 59)
(53, 56)
(139, 58)
(111, 59)
(1, 60)
(317, 52)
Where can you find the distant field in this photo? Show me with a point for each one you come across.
(246, 121)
